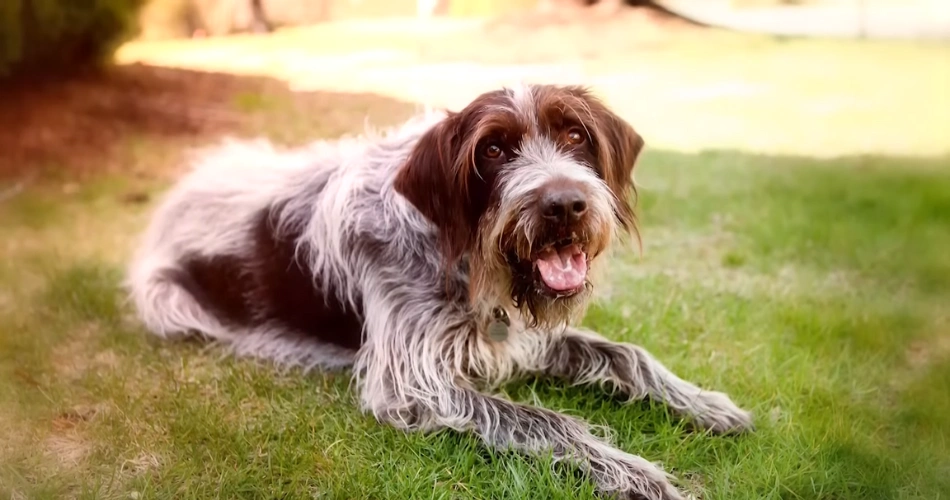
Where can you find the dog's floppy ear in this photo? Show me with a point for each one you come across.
(619, 147)
(435, 180)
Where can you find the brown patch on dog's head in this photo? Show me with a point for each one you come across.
(532, 183)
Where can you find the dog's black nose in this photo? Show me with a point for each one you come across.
(567, 204)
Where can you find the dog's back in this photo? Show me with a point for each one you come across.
(251, 246)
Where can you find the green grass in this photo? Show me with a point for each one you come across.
(812, 289)
(801, 287)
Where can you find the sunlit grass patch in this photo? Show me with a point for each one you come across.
(811, 328)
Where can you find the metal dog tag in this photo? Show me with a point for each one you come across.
(498, 328)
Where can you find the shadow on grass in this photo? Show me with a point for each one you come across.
(83, 124)
(796, 285)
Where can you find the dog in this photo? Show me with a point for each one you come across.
(437, 260)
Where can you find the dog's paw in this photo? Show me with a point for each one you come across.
(716, 412)
(667, 494)
(656, 491)
(640, 479)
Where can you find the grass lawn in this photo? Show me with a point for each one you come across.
(813, 291)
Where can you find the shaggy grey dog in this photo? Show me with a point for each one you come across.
(440, 260)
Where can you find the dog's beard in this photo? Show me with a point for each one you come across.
(544, 274)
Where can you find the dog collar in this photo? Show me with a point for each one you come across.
(498, 328)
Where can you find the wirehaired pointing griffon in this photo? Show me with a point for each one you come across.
(439, 260)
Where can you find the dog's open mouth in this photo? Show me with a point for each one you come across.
(561, 268)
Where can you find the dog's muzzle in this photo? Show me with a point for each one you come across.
(561, 261)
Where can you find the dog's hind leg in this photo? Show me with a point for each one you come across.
(164, 297)
(160, 293)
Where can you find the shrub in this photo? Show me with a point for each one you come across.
(57, 36)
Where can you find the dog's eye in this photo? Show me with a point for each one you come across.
(574, 136)
(493, 152)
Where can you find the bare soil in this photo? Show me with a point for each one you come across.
(86, 124)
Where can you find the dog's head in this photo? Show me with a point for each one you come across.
(532, 184)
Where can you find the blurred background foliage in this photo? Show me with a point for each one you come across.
(58, 36)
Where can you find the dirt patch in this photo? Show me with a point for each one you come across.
(922, 354)
(12, 435)
(67, 449)
(92, 123)
(66, 445)
(141, 464)
(925, 353)
(78, 355)
(76, 415)
(80, 122)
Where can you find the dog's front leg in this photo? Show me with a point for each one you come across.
(415, 375)
(504, 424)
(584, 357)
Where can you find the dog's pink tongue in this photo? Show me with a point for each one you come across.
(564, 269)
